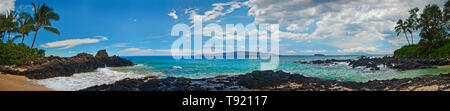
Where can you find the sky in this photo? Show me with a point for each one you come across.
(143, 27)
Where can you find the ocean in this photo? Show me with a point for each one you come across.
(166, 66)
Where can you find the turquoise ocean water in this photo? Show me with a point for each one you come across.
(203, 68)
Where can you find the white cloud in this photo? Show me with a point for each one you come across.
(131, 49)
(102, 37)
(398, 41)
(217, 11)
(314, 51)
(359, 49)
(294, 36)
(7, 5)
(301, 27)
(293, 27)
(360, 23)
(65, 44)
(145, 51)
(173, 14)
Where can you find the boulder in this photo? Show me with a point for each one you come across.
(83, 55)
(102, 54)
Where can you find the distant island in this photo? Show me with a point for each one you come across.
(319, 54)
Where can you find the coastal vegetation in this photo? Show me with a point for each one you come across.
(433, 24)
(11, 53)
(15, 25)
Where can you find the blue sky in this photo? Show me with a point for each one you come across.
(142, 27)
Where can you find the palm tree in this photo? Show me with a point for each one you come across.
(42, 18)
(10, 23)
(402, 27)
(412, 22)
(25, 25)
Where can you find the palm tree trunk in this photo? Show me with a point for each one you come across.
(407, 38)
(23, 37)
(412, 38)
(35, 34)
(9, 35)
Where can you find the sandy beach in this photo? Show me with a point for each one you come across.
(19, 83)
(443, 66)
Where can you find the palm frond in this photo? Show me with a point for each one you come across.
(15, 38)
(53, 30)
(53, 16)
(408, 30)
(27, 27)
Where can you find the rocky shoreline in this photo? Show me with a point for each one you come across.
(282, 81)
(400, 64)
(54, 66)
(275, 81)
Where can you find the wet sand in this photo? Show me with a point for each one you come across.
(444, 66)
(19, 83)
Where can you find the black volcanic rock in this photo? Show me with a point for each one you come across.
(54, 66)
(275, 81)
(258, 79)
(399, 63)
(114, 61)
(390, 62)
(83, 55)
(101, 54)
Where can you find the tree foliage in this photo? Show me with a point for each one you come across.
(433, 24)
(15, 25)
(11, 53)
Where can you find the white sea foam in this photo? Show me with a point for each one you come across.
(342, 63)
(84, 80)
(337, 64)
(177, 67)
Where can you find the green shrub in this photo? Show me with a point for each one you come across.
(437, 49)
(11, 53)
(407, 51)
(442, 52)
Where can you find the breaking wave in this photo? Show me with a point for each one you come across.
(84, 80)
